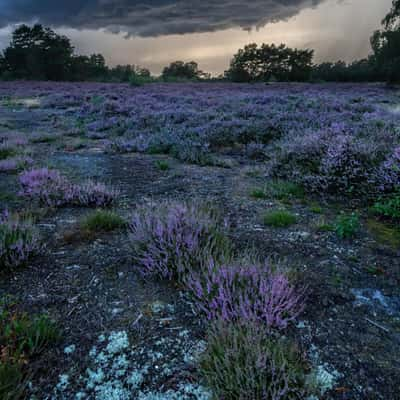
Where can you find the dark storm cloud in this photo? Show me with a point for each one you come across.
(151, 18)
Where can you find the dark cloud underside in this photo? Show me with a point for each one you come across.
(151, 18)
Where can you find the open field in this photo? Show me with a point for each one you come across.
(302, 177)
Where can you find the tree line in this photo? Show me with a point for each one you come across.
(39, 53)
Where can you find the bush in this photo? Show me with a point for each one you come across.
(52, 189)
(346, 226)
(174, 239)
(18, 241)
(246, 293)
(279, 218)
(102, 221)
(244, 362)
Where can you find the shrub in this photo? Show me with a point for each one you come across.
(102, 221)
(388, 207)
(279, 218)
(18, 241)
(174, 239)
(246, 293)
(346, 226)
(245, 362)
(52, 189)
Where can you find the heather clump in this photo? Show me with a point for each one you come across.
(246, 362)
(15, 163)
(246, 292)
(172, 240)
(18, 241)
(52, 189)
(338, 159)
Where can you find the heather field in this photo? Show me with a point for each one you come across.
(199, 241)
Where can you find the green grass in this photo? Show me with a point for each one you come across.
(316, 209)
(280, 190)
(7, 152)
(347, 225)
(388, 207)
(102, 221)
(162, 165)
(384, 233)
(245, 362)
(22, 338)
(279, 218)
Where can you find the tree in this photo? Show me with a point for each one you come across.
(38, 53)
(386, 45)
(392, 19)
(182, 70)
(253, 63)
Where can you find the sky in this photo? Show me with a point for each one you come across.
(153, 33)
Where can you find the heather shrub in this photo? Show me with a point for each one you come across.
(15, 163)
(172, 239)
(346, 226)
(335, 160)
(18, 241)
(52, 189)
(245, 362)
(279, 218)
(246, 293)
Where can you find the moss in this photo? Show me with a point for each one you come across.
(384, 233)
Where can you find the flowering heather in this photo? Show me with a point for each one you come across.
(335, 138)
(15, 163)
(246, 362)
(246, 293)
(18, 241)
(175, 239)
(52, 189)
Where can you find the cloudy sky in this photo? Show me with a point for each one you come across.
(152, 33)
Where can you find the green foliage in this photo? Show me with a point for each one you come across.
(12, 381)
(162, 165)
(270, 62)
(140, 78)
(279, 189)
(388, 207)
(180, 70)
(385, 234)
(7, 151)
(246, 362)
(102, 221)
(279, 218)
(21, 338)
(347, 226)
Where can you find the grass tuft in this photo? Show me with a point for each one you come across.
(102, 221)
(279, 218)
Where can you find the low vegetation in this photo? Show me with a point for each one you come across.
(279, 218)
(18, 241)
(347, 225)
(172, 240)
(246, 362)
(22, 338)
